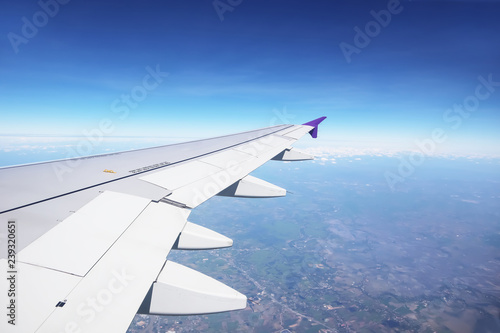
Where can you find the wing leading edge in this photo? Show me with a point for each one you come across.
(96, 247)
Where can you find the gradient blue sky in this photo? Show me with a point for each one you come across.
(244, 71)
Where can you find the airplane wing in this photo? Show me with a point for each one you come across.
(86, 240)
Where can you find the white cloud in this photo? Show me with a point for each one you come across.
(357, 150)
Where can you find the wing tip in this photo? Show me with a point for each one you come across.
(315, 123)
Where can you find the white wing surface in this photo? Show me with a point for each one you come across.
(87, 239)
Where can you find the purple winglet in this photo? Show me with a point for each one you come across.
(314, 123)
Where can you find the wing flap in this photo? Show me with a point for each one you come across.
(77, 243)
(108, 297)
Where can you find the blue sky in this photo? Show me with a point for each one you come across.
(240, 65)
